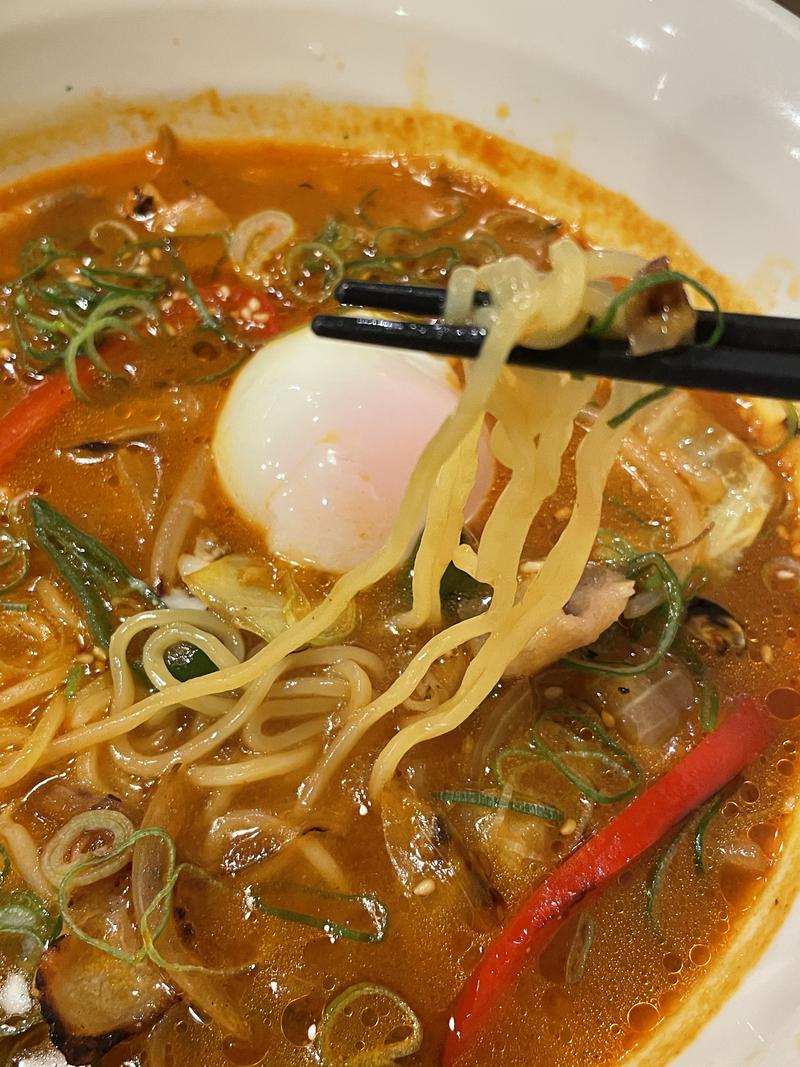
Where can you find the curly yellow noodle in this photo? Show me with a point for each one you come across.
(13, 768)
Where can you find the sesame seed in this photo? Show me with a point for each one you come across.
(84, 657)
(424, 888)
(246, 314)
(553, 692)
(224, 292)
(767, 654)
(99, 653)
(568, 826)
(563, 513)
(254, 304)
(608, 719)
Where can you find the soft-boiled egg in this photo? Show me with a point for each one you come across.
(317, 441)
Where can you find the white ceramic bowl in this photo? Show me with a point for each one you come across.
(691, 108)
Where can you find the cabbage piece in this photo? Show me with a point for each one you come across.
(241, 590)
(733, 487)
(238, 589)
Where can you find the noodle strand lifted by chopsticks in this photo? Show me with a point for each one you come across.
(248, 695)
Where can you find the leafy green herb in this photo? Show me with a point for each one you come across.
(97, 577)
(101, 581)
(375, 909)
(478, 799)
(612, 547)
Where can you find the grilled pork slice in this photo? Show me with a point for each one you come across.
(92, 1000)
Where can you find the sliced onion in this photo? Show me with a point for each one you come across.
(258, 238)
(504, 712)
(650, 711)
(745, 855)
(63, 851)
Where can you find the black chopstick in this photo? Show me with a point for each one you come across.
(757, 356)
(757, 333)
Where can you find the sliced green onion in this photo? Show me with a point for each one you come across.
(709, 705)
(336, 233)
(613, 547)
(387, 242)
(13, 605)
(56, 319)
(791, 421)
(650, 281)
(310, 258)
(24, 914)
(700, 833)
(161, 903)
(709, 696)
(75, 676)
(478, 799)
(614, 758)
(375, 909)
(655, 881)
(359, 266)
(367, 202)
(673, 593)
(67, 839)
(637, 405)
(343, 1039)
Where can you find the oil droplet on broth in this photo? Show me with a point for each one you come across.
(699, 955)
(784, 704)
(643, 1017)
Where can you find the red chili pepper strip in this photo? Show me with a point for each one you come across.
(41, 407)
(718, 758)
(33, 414)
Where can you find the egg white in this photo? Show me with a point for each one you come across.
(317, 440)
